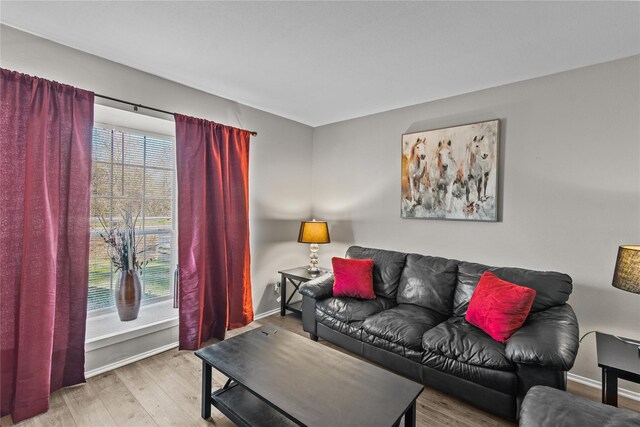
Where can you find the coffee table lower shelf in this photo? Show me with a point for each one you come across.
(245, 409)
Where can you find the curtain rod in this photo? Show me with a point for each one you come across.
(136, 106)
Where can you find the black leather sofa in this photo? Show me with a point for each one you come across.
(416, 326)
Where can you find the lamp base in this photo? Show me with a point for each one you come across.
(314, 273)
(313, 258)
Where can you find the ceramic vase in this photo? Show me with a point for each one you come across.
(128, 295)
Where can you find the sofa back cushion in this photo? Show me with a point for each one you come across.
(551, 288)
(387, 268)
(429, 282)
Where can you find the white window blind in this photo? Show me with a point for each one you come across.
(134, 172)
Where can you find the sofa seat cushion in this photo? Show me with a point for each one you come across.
(392, 347)
(458, 340)
(353, 329)
(404, 324)
(495, 379)
(349, 310)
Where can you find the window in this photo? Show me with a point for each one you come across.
(136, 171)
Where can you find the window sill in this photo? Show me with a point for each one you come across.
(107, 329)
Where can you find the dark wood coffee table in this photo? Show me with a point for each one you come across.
(279, 378)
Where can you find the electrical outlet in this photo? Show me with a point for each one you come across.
(276, 288)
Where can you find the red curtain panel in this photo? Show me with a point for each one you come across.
(213, 230)
(45, 172)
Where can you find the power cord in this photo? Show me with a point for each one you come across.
(590, 332)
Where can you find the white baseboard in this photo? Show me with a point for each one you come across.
(129, 360)
(597, 384)
(266, 314)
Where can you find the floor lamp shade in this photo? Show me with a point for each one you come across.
(314, 232)
(627, 273)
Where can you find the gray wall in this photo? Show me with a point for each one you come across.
(280, 162)
(570, 186)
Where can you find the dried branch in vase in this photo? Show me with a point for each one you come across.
(122, 243)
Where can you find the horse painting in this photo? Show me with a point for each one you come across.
(451, 173)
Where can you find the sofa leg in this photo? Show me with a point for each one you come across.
(313, 337)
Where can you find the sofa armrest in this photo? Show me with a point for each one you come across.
(548, 338)
(318, 288)
(544, 406)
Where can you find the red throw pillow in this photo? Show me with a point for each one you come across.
(353, 278)
(498, 307)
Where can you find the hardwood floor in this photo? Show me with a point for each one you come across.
(164, 390)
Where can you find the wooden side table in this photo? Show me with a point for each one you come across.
(618, 359)
(296, 277)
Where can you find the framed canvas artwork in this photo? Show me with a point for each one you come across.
(451, 173)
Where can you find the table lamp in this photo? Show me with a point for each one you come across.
(314, 232)
(626, 275)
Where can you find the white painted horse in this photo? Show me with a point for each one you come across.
(442, 174)
(480, 160)
(417, 169)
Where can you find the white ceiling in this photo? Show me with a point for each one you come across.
(322, 62)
